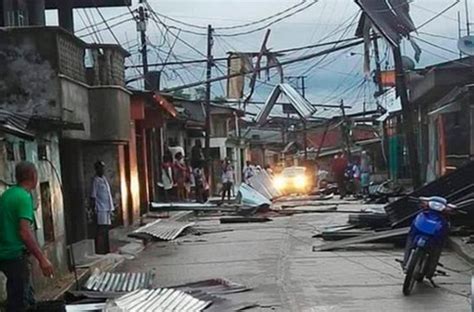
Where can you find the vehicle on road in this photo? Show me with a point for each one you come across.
(427, 235)
(293, 180)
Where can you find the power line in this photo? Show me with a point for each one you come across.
(312, 46)
(236, 26)
(100, 23)
(270, 23)
(438, 15)
(299, 59)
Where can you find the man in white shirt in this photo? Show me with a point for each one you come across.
(103, 206)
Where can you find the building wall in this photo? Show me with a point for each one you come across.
(75, 101)
(28, 80)
(109, 109)
(48, 172)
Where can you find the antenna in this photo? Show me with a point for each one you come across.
(466, 45)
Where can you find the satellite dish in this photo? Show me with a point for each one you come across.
(408, 63)
(466, 45)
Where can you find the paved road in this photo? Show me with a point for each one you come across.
(275, 259)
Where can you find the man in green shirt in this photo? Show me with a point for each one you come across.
(17, 238)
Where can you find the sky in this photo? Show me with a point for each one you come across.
(338, 76)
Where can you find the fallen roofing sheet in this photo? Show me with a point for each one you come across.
(263, 183)
(244, 219)
(367, 238)
(177, 206)
(215, 286)
(300, 104)
(455, 186)
(93, 307)
(251, 197)
(162, 229)
(161, 299)
(119, 282)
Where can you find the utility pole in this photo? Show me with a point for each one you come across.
(302, 88)
(408, 120)
(141, 27)
(378, 70)
(210, 42)
(305, 137)
(344, 129)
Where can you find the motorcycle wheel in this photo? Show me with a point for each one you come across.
(414, 268)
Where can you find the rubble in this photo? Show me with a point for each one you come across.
(366, 238)
(456, 187)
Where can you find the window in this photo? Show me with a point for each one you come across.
(219, 126)
(42, 152)
(10, 151)
(22, 150)
(47, 212)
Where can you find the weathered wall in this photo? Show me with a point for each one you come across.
(109, 109)
(55, 250)
(28, 80)
(75, 102)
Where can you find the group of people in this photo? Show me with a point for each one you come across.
(352, 175)
(184, 176)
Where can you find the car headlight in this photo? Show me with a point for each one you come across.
(279, 182)
(301, 182)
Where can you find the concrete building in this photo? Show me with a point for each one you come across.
(79, 110)
(442, 99)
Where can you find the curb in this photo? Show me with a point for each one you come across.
(458, 247)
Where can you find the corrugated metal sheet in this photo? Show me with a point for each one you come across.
(14, 123)
(455, 186)
(161, 299)
(162, 229)
(86, 307)
(263, 183)
(119, 282)
(300, 104)
(215, 286)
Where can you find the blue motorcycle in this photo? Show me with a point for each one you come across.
(425, 241)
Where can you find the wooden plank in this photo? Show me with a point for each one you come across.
(368, 238)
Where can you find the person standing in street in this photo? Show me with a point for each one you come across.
(365, 169)
(338, 170)
(17, 239)
(179, 174)
(227, 179)
(248, 172)
(196, 154)
(103, 206)
(167, 181)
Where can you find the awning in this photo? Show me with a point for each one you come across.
(15, 124)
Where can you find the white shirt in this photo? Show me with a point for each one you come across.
(104, 204)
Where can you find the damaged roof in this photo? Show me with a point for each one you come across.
(390, 17)
(297, 101)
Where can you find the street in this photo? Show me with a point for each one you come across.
(276, 260)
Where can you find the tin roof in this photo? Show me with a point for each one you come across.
(162, 229)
